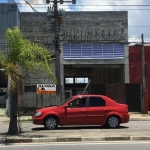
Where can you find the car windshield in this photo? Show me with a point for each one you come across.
(64, 102)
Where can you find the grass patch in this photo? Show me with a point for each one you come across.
(21, 120)
(24, 120)
(145, 115)
(2, 111)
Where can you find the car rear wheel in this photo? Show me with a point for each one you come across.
(51, 123)
(113, 122)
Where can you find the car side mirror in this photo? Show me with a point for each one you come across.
(66, 107)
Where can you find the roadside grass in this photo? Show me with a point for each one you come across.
(26, 119)
(21, 118)
(145, 115)
(2, 111)
(139, 113)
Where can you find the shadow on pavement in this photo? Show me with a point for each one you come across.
(79, 127)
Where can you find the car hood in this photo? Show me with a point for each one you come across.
(45, 108)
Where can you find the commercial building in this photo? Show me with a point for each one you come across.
(93, 52)
(93, 47)
(9, 17)
(136, 68)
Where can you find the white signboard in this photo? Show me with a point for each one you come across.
(46, 89)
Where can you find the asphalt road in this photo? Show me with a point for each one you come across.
(28, 126)
(81, 146)
(132, 125)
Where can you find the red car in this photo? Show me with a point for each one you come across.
(83, 110)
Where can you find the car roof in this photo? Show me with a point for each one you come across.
(86, 95)
(97, 95)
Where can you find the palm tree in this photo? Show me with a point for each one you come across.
(22, 56)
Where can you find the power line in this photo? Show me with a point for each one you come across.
(37, 11)
(92, 4)
(147, 5)
(81, 7)
(101, 9)
(67, 5)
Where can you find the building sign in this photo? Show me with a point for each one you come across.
(46, 89)
(76, 31)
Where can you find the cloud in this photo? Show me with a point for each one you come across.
(138, 21)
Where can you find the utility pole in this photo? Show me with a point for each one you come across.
(56, 14)
(57, 53)
(143, 73)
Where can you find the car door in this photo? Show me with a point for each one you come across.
(75, 114)
(96, 110)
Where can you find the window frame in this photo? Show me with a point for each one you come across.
(88, 101)
(74, 78)
(78, 99)
(68, 78)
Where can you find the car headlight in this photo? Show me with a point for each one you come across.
(37, 114)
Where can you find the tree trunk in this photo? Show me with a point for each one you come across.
(13, 127)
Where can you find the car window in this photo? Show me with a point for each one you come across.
(79, 102)
(64, 102)
(96, 102)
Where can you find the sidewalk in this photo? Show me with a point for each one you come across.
(135, 116)
(83, 134)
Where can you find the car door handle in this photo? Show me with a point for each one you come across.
(83, 110)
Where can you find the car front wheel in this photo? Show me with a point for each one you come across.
(113, 122)
(51, 123)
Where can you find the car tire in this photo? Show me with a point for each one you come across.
(51, 123)
(113, 122)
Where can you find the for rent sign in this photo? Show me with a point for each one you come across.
(46, 89)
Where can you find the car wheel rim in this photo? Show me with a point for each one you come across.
(113, 122)
(51, 123)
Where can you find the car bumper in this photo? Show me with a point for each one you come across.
(37, 121)
(125, 118)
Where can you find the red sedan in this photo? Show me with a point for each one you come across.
(83, 110)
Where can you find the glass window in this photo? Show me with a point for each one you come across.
(69, 80)
(96, 102)
(81, 80)
(79, 102)
(30, 88)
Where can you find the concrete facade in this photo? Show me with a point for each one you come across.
(81, 27)
(9, 17)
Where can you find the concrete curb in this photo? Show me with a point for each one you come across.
(72, 139)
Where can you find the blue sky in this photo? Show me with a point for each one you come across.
(138, 15)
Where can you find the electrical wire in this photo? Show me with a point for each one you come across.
(37, 11)
(67, 5)
(80, 8)
(114, 5)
